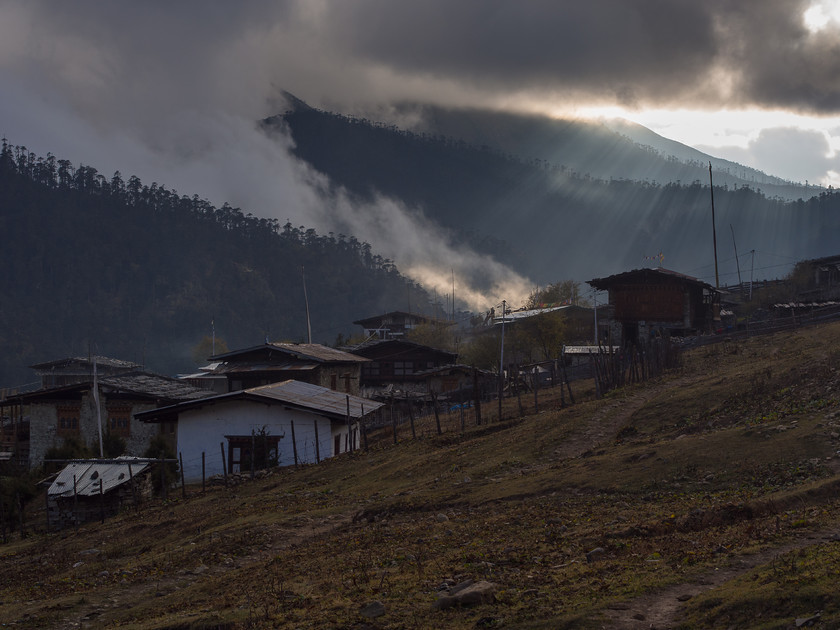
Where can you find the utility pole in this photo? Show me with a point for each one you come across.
(714, 231)
(737, 262)
(502, 356)
(306, 301)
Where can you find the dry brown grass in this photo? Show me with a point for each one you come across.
(731, 455)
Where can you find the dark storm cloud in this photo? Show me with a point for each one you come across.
(648, 52)
(607, 48)
(655, 52)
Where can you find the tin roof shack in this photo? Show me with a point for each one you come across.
(398, 365)
(57, 414)
(91, 490)
(275, 362)
(280, 424)
(648, 302)
(579, 320)
(393, 325)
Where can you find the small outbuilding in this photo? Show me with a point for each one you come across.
(277, 424)
(89, 490)
(649, 302)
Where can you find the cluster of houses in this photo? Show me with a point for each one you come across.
(300, 403)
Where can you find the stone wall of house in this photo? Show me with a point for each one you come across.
(338, 374)
(44, 432)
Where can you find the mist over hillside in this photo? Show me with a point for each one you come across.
(117, 267)
(561, 199)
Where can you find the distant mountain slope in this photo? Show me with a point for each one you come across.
(545, 218)
(609, 149)
(137, 272)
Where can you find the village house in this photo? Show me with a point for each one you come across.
(52, 415)
(398, 365)
(820, 277)
(458, 382)
(277, 424)
(651, 302)
(393, 325)
(274, 362)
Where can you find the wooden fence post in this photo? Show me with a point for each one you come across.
(183, 481)
(566, 377)
(163, 478)
(410, 416)
(476, 397)
(536, 388)
(393, 420)
(294, 443)
(253, 452)
(437, 416)
(501, 389)
(317, 446)
(101, 502)
(75, 505)
(224, 462)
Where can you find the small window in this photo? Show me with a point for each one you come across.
(119, 421)
(68, 420)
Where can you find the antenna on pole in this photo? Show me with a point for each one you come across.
(714, 232)
(306, 301)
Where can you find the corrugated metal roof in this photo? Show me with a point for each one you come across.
(589, 349)
(294, 393)
(88, 475)
(315, 397)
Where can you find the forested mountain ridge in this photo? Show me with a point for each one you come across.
(137, 272)
(546, 219)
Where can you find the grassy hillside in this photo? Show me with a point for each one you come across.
(711, 494)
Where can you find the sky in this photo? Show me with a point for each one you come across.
(169, 91)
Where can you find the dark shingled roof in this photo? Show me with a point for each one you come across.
(643, 274)
(86, 362)
(141, 384)
(303, 351)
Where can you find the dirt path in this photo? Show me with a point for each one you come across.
(661, 609)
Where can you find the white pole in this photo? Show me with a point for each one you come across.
(98, 409)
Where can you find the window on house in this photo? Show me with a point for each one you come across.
(370, 369)
(68, 420)
(403, 368)
(119, 421)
